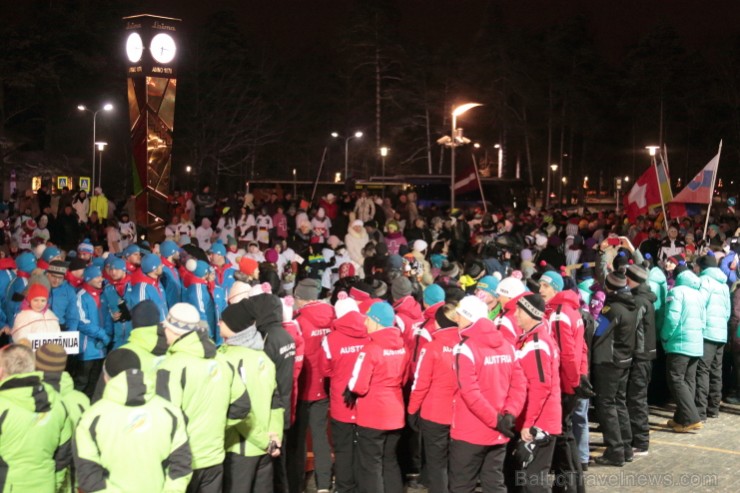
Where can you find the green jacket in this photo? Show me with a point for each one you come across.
(717, 294)
(132, 440)
(150, 345)
(207, 391)
(685, 317)
(251, 436)
(35, 435)
(659, 286)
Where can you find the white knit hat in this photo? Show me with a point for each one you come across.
(182, 318)
(510, 287)
(420, 245)
(472, 308)
(344, 305)
(239, 291)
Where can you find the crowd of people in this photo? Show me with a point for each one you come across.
(418, 346)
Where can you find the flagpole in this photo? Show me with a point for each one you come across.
(318, 176)
(660, 191)
(711, 191)
(480, 185)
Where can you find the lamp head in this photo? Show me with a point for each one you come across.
(81, 107)
(334, 134)
(384, 151)
(358, 134)
(108, 107)
(652, 149)
(101, 145)
(554, 167)
(463, 108)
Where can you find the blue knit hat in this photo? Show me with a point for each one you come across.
(488, 284)
(382, 313)
(553, 279)
(218, 248)
(92, 272)
(130, 250)
(433, 294)
(168, 248)
(201, 269)
(98, 261)
(116, 263)
(85, 247)
(26, 262)
(149, 263)
(50, 253)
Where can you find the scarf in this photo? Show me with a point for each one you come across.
(248, 338)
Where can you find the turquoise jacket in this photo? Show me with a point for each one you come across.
(685, 317)
(717, 294)
(659, 286)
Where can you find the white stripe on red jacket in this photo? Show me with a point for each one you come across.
(315, 320)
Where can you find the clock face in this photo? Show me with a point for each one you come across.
(134, 47)
(163, 48)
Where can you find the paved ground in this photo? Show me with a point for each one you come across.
(705, 461)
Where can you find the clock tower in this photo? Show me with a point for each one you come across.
(151, 56)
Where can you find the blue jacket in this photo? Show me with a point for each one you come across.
(16, 287)
(717, 294)
(228, 278)
(109, 300)
(93, 337)
(63, 302)
(172, 285)
(198, 295)
(6, 277)
(724, 266)
(659, 286)
(144, 291)
(685, 317)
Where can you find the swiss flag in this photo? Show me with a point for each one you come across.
(466, 180)
(644, 194)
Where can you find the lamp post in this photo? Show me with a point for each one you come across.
(106, 107)
(454, 143)
(188, 169)
(101, 148)
(383, 154)
(553, 168)
(356, 135)
(500, 159)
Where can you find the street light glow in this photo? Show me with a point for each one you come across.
(476, 145)
(334, 134)
(652, 149)
(554, 166)
(101, 145)
(358, 134)
(81, 107)
(108, 107)
(188, 169)
(627, 178)
(497, 146)
(384, 151)
(463, 108)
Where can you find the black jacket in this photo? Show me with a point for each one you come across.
(614, 339)
(266, 311)
(646, 339)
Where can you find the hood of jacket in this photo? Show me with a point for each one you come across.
(60, 381)
(688, 279)
(194, 343)
(128, 388)
(657, 276)
(408, 306)
(483, 332)
(388, 338)
(151, 339)
(644, 291)
(317, 313)
(264, 310)
(714, 273)
(26, 391)
(352, 324)
(567, 298)
(450, 335)
(431, 311)
(623, 297)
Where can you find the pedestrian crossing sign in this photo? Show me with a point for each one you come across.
(85, 183)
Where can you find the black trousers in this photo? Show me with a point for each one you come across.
(314, 415)
(610, 385)
(565, 462)
(709, 380)
(279, 472)
(637, 402)
(207, 480)
(535, 477)
(436, 440)
(377, 461)
(469, 463)
(343, 439)
(86, 376)
(247, 474)
(681, 375)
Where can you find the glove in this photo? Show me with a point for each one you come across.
(584, 390)
(505, 425)
(413, 421)
(350, 398)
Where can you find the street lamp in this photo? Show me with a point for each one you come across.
(554, 168)
(106, 107)
(356, 135)
(101, 147)
(383, 154)
(500, 159)
(454, 143)
(294, 185)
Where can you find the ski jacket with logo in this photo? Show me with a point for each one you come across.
(315, 320)
(566, 325)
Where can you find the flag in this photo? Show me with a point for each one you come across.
(699, 190)
(644, 194)
(664, 181)
(466, 180)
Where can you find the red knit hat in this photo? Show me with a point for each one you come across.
(37, 291)
(248, 265)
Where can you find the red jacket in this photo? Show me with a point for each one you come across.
(538, 356)
(294, 330)
(424, 333)
(315, 321)
(506, 323)
(341, 348)
(490, 382)
(566, 327)
(408, 318)
(434, 379)
(378, 376)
